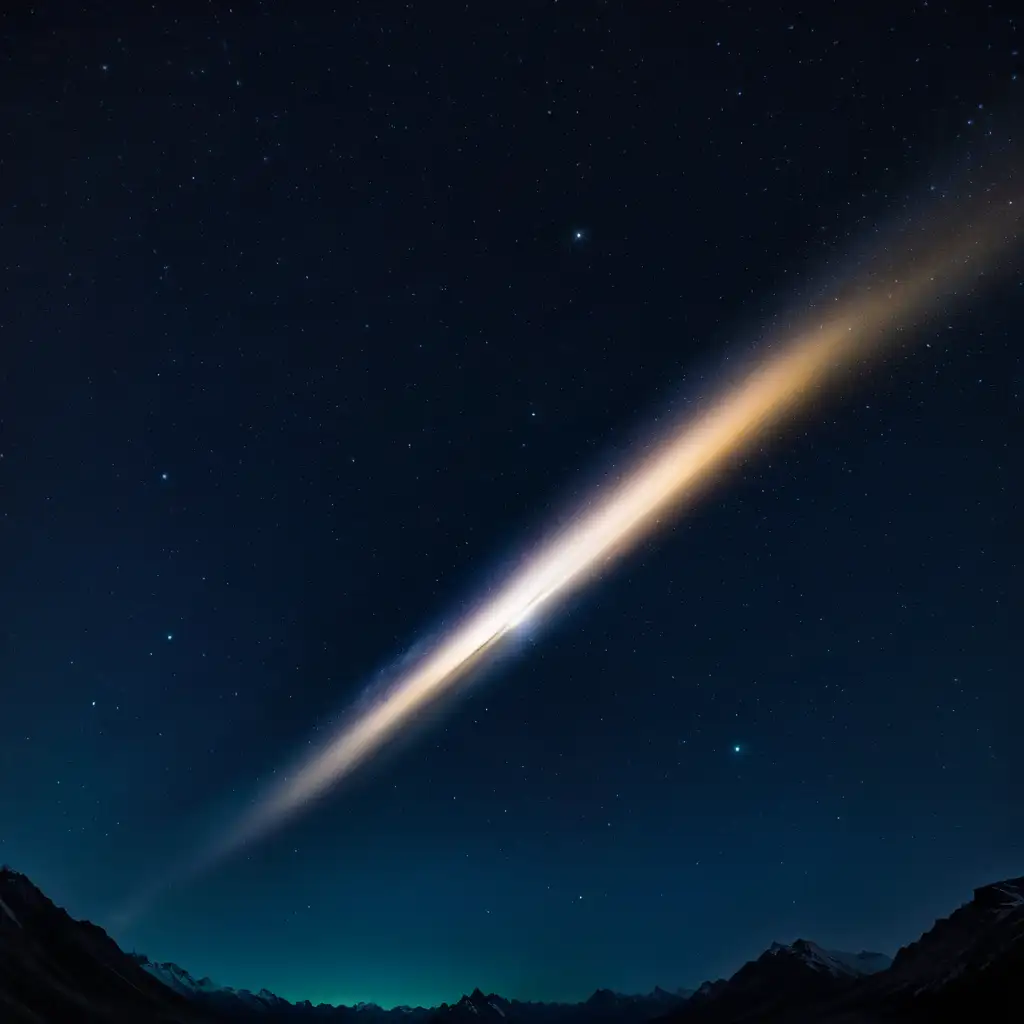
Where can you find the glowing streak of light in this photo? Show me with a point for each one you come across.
(900, 294)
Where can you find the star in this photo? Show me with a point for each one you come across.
(163, 476)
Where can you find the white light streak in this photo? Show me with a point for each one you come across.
(899, 292)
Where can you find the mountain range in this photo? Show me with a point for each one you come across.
(967, 967)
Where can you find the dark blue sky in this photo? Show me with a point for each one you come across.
(300, 347)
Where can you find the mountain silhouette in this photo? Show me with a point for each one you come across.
(968, 966)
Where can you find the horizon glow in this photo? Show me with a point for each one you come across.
(904, 283)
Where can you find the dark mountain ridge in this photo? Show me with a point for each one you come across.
(53, 968)
(968, 966)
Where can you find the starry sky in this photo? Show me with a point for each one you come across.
(312, 321)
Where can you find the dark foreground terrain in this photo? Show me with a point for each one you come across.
(968, 968)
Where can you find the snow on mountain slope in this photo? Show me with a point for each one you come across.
(863, 962)
(834, 962)
(10, 913)
(224, 996)
(177, 978)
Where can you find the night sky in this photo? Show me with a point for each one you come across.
(311, 323)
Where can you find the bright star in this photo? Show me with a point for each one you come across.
(170, 636)
(163, 476)
(736, 749)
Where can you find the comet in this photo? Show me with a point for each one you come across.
(897, 288)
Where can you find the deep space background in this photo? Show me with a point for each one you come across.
(311, 321)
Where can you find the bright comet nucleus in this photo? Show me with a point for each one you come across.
(905, 282)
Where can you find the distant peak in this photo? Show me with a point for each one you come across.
(833, 961)
(602, 997)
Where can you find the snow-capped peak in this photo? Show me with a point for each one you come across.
(835, 962)
(178, 978)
